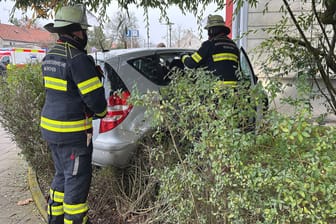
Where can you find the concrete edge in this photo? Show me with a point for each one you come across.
(37, 194)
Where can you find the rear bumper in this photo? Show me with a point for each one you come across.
(112, 157)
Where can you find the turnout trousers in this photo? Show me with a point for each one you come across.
(67, 203)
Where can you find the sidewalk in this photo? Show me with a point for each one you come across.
(14, 186)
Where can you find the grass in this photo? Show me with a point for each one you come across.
(116, 195)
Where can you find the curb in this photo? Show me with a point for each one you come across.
(37, 195)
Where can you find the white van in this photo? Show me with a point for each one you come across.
(21, 56)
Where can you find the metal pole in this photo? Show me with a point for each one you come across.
(167, 34)
(170, 24)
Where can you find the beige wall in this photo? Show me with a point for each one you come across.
(257, 20)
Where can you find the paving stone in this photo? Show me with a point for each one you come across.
(14, 186)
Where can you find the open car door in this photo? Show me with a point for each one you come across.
(246, 67)
(248, 74)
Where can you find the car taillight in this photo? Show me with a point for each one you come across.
(117, 111)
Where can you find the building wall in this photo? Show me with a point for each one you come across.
(257, 20)
(7, 44)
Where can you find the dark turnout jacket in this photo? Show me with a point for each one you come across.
(74, 93)
(219, 55)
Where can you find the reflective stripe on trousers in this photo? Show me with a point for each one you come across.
(55, 207)
(71, 183)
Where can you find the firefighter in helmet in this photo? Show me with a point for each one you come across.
(74, 94)
(218, 54)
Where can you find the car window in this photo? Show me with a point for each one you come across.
(114, 81)
(246, 67)
(155, 67)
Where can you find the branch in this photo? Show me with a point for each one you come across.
(299, 42)
(330, 58)
(315, 55)
(321, 25)
(184, 170)
(324, 94)
(307, 43)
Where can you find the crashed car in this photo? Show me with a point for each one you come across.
(116, 136)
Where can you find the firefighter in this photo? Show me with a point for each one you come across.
(74, 94)
(219, 54)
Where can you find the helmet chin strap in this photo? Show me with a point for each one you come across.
(81, 41)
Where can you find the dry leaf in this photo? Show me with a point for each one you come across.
(25, 202)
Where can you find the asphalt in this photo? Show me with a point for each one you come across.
(18, 183)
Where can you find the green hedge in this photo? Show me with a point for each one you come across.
(205, 168)
(210, 171)
(21, 100)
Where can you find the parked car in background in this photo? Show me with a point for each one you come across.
(115, 137)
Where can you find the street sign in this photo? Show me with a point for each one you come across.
(132, 33)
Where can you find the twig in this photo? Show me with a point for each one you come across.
(184, 169)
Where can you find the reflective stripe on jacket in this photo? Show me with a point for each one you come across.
(74, 93)
(219, 55)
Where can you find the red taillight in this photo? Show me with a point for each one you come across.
(117, 111)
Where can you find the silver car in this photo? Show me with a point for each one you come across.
(115, 137)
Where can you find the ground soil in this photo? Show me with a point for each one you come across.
(100, 211)
(101, 199)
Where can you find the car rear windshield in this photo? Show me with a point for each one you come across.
(155, 67)
(116, 84)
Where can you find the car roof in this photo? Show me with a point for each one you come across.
(135, 51)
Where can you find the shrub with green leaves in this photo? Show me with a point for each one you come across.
(21, 100)
(212, 171)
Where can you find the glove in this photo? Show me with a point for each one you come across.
(177, 64)
(184, 56)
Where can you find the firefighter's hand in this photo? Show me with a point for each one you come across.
(100, 115)
(177, 64)
(183, 57)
